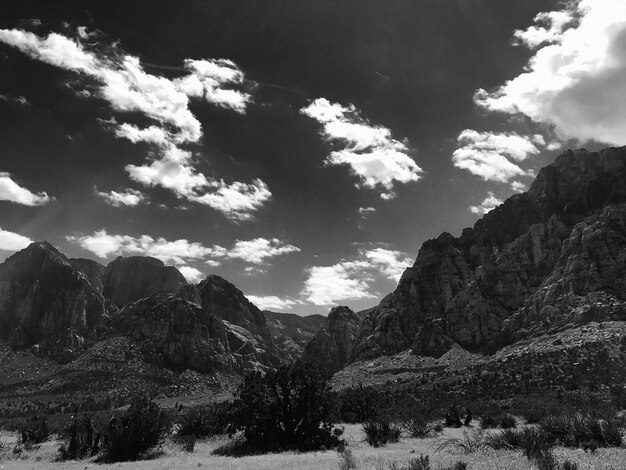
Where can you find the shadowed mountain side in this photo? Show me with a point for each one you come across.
(292, 332)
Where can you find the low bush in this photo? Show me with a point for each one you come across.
(206, 421)
(499, 420)
(82, 440)
(533, 440)
(141, 428)
(460, 465)
(347, 460)
(381, 431)
(576, 429)
(34, 430)
(187, 443)
(358, 404)
(290, 408)
(418, 463)
(472, 441)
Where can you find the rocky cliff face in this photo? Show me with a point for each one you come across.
(291, 333)
(332, 344)
(541, 260)
(47, 302)
(177, 333)
(221, 298)
(128, 279)
(92, 269)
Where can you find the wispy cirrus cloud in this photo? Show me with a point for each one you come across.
(575, 79)
(13, 192)
(377, 159)
(127, 87)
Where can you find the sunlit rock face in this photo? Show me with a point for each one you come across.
(541, 260)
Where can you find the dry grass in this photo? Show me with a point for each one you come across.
(367, 457)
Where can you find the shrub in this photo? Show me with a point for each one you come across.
(569, 465)
(417, 418)
(359, 404)
(381, 431)
(452, 417)
(187, 443)
(347, 460)
(290, 408)
(203, 422)
(506, 421)
(545, 460)
(532, 440)
(141, 428)
(460, 465)
(34, 431)
(472, 441)
(497, 420)
(418, 463)
(574, 429)
(82, 440)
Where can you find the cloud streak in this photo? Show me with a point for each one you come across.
(13, 192)
(11, 241)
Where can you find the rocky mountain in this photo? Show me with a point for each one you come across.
(47, 302)
(540, 262)
(332, 345)
(92, 269)
(128, 279)
(292, 332)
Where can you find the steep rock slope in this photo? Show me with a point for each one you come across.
(128, 279)
(180, 334)
(332, 344)
(47, 302)
(291, 332)
(92, 269)
(525, 267)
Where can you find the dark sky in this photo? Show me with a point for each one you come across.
(405, 70)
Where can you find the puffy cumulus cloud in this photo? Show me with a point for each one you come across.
(391, 263)
(353, 279)
(575, 79)
(123, 82)
(373, 155)
(130, 197)
(11, 191)
(192, 275)
(256, 251)
(489, 203)
(236, 200)
(495, 156)
(271, 302)
(11, 241)
(518, 186)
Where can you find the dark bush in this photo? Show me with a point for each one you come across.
(206, 421)
(187, 443)
(381, 431)
(290, 408)
(460, 465)
(358, 404)
(497, 420)
(452, 418)
(141, 428)
(569, 465)
(82, 440)
(532, 440)
(545, 460)
(34, 430)
(575, 429)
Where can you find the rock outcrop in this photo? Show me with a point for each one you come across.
(180, 334)
(92, 269)
(291, 332)
(526, 266)
(48, 303)
(129, 279)
(332, 345)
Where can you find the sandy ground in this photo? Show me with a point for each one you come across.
(368, 458)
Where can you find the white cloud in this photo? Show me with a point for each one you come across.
(575, 80)
(271, 302)
(256, 251)
(11, 241)
(489, 203)
(518, 186)
(192, 275)
(373, 155)
(353, 279)
(11, 191)
(19, 100)
(489, 155)
(130, 197)
(124, 83)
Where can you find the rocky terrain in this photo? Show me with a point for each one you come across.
(291, 332)
(332, 344)
(544, 259)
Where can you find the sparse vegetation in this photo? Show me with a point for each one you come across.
(381, 431)
(205, 421)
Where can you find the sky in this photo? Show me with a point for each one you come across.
(302, 150)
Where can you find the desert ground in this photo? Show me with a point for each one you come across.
(367, 457)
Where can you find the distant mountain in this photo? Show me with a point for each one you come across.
(543, 261)
(128, 279)
(332, 345)
(292, 332)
